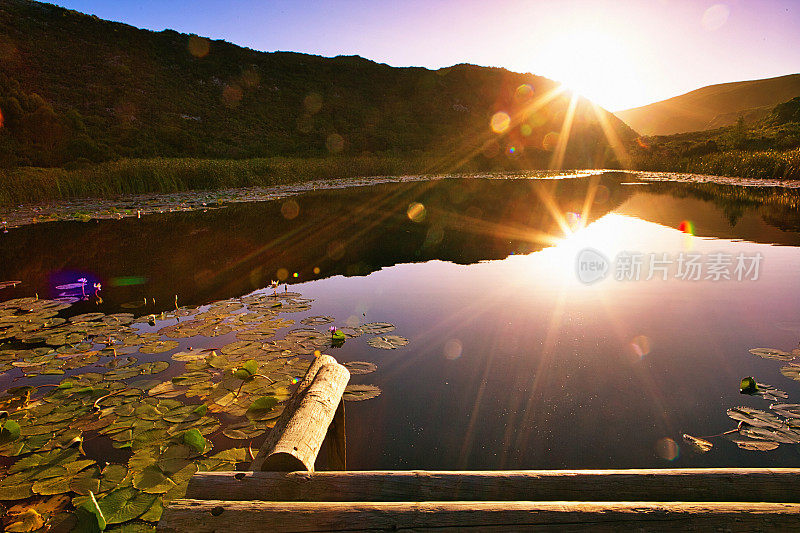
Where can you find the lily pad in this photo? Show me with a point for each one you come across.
(357, 393)
(317, 320)
(376, 328)
(125, 504)
(772, 353)
(360, 367)
(697, 444)
(388, 342)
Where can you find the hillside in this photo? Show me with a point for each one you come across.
(75, 89)
(712, 107)
(768, 148)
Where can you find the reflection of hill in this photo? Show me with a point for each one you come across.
(763, 215)
(221, 253)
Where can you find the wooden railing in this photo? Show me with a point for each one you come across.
(283, 493)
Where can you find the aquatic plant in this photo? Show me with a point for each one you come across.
(160, 430)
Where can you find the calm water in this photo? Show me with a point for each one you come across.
(513, 361)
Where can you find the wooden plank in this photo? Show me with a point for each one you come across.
(712, 484)
(290, 408)
(297, 446)
(204, 516)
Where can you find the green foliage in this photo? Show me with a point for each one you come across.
(767, 149)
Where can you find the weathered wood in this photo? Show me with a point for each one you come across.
(709, 485)
(337, 440)
(297, 445)
(290, 408)
(204, 516)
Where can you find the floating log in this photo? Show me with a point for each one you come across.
(296, 438)
(207, 516)
(702, 484)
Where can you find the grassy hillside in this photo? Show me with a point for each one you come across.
(711, 107)
(770, 148)
(77, 90)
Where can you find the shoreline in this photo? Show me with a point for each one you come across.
(86, 209)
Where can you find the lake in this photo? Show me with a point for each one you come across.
(516, 359)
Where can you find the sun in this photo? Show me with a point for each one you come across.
(597, 64)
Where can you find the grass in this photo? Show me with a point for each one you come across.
(164, 175)
(767, 164)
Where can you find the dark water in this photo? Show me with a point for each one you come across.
(513, 361)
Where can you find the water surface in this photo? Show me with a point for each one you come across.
(513, 361)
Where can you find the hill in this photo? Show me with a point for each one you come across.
(768, 148)
(76, 90)
(712, 107)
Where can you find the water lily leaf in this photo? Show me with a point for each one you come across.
(360, 367)
(791, 372)
(125, 504)
(154, 513)
(9, 431)
(376, 328)
(243, 431)
(755, 417)
(261, 407)
(784, 435)
(191, 355)
(697, 444)
(755, 445)
(224, 460)
(357, 393)
(748, 386)
(317, 320)
(16, 487)
(195, 440)
(27, 520)
(90, 506)
(191, 378)
(159, 346)
(772, 353)
(112, 476)
(388, 342)
(86, 481)
(789, 410)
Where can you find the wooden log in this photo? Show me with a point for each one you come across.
(337, 440)
(207, 516)
(296, 444)
(290, 408)
(712, 484)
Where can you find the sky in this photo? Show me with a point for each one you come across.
(621, 54)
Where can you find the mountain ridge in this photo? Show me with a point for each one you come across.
(77, 88)
(712, 106)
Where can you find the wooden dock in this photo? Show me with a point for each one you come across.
(283, 493)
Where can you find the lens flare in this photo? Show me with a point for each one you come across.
(334, 143)
(525, 130)
(312, 103)
(550, 141)
(500, 122)
(198, 46)
(282, 274)
(640, 345)
(667, 449)
(416, 212)
(715, 17)
(524, 92)
(231, 95)
(687, 226)
(452, 349)
(290, 209)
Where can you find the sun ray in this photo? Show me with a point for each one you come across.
(560, 151)
(613, 139)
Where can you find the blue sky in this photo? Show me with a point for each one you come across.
(621, 53)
